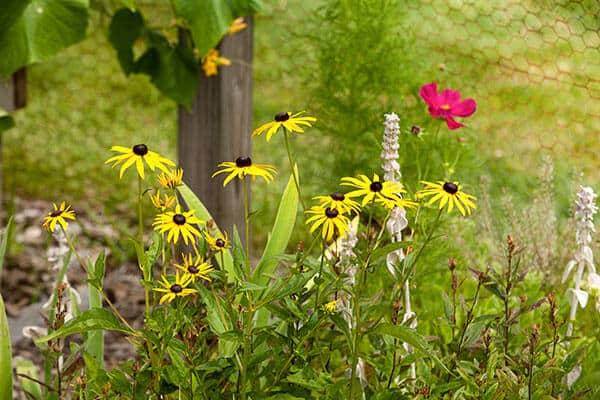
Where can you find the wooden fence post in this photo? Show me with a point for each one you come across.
(217, 128)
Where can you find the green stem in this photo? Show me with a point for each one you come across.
(141, 241)
(292, 166)
(247, 223)
(319, 278)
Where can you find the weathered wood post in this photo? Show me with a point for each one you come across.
(217, 128)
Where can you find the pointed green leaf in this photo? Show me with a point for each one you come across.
(94, 344)
(410, 336)
(94, 319)
(193, 203)
(280, 234)
(5, 356)
(4, 243)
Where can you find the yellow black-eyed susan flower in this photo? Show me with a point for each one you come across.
(243, 167)
(384, 192)
(448, 194)
(195, 268)
(58, 215)
(177, 223)
(164, 203)
(217, 243)
(338, 201)
(177, 289)
(330, 219)
(330, 307)
(171, 179)
(212, 61)
(292, 123)
(137, 155)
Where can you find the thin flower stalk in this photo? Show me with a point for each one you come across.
(584, 216)
(397, 221)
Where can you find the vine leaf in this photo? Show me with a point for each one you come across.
(208, 20)
(34, 30)
(172, 67)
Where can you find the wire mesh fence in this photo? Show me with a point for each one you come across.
(534, 65)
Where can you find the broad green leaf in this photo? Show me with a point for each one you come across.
(280, 234)
(32, 31)
(208, 21)
(173, 69)
(5, 356)
(6, 121)
(94, 319)
(410, 336)
(193, 203)
(125, 28)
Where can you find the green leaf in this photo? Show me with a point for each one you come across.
(6, 121)
(193, 203)
(34, 30)
(240, 261)
(25, 367)
(172, 68)
(208, 21)
(410, 336)
(241, 8)
(3, 244)
(125, 28)
(94, 319)
(94, 344)
(5, 356)
(280, 234)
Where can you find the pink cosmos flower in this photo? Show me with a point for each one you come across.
(447, 104)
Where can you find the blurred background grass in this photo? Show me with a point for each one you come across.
(532, 67)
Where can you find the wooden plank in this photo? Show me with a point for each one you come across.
(217, 128)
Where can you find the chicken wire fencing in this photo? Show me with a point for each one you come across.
(533, 66)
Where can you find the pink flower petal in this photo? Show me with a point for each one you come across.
(430, 95)
(450, 97)
(452, 124)
(464, 108)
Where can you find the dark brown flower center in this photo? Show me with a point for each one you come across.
(220, 243)
(192, 269)
(415, 130)
(450, 187)
(241, 162)
(179, 219)
(282, 117)
(55, 213)
(376, 186)
(337, 196)
(176, 288)
(331, 213)
(140, 149)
